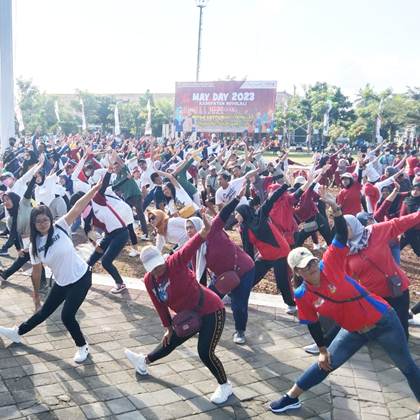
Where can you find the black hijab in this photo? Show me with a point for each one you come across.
(257, 224)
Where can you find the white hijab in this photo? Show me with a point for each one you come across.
(360, 234)
(200, 256)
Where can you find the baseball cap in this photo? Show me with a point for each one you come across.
(151, 258)
(299, 180)
(300, 257)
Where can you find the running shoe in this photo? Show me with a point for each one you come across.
(138, 360)
(239, 337)
(119, 288)
(144, 237)
(81, 354)
(133, 253)
(312, 349)
(291, 310)
(11, 333)
(285, 403)
(222, 393)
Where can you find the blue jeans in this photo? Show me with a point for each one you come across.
(111, 246)
(388, 332)
(240, 298)
(396, 252)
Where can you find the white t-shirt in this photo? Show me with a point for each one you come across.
(66, 265)
(182, 200)
(175, 233)
(225, 196)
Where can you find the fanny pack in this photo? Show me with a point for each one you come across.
(394, 281)
(188, 322)
(310, 227)
(228, 280)
(187, 212)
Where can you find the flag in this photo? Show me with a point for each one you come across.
(148, 129)
(117, 130)
(19, 118)
(84, 125)
(57, 114)
(326, 124)
(379, 123)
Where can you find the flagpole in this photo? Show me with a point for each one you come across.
(7, 109)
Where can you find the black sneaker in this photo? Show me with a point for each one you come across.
(285, 403)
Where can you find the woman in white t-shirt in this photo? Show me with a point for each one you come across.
(51, 246)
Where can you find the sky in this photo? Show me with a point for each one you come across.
(128, 46)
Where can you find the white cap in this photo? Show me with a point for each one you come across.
(299, 180)
(300, 257)
(151, 258)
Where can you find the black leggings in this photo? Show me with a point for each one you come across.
(323, 229)
(210, 333)
(73, 296)
(111, 246)
(280, 273)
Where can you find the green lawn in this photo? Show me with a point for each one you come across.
(301, 157)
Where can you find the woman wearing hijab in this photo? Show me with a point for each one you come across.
(324, 288)
(372, 263)
(173, 286)
(220, 254)
(258, 231)
(168, 229)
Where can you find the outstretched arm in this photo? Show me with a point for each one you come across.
(80, 204)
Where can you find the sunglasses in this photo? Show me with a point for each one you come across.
(151, 218)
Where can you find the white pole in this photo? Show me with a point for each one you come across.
(7, 115)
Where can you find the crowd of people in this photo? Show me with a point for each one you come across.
(175, 202)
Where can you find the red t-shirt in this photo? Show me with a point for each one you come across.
(220, 254)
(282, 216)
(337, 285)
(372, 195)
(349, 199)
(307, 208)
(412, 162)
(370, 264)
(268, 251)
(178, 287)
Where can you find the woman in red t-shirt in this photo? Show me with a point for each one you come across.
(172, 285)
(326, 289)
(258, 231)
(372, 263)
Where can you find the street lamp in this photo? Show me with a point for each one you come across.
(200, 4)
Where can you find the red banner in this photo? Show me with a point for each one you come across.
(230, 106)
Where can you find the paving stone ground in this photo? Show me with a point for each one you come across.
(39, 380)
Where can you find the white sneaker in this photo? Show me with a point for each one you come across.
(316, 247)
(11, 333)
(239, 337)
(222, 393)
(414, 322)
(81, 354)
(118, 288)
(138, 360)
(144, 237)
(227, 300)
(133, 253)
(291, 310)
(312, 349)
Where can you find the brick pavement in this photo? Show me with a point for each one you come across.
(40, 381)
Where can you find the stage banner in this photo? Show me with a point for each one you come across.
(225, 106)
